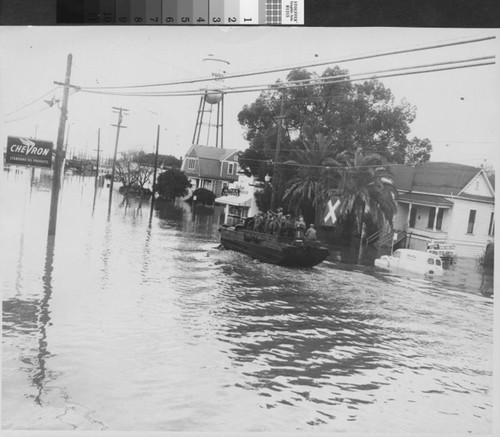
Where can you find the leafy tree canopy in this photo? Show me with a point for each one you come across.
(352, 115)
(172, 183)
(204, 196)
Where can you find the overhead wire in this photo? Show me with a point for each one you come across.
(31, 103)
(306, 65)
(331, 167)
(34, 113)
(311, 82)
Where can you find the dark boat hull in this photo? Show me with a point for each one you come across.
(272, 249)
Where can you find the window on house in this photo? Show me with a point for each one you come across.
(432, 216)
(191, 163)
(413, 217)
(230, 168)
(472, 220)
(439, 221)
(491, 228)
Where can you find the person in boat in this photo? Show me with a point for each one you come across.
(311, 233)
(283, 226)
(290, 226)
(258, 223)
(268, 222)
(276, 226)
(279, 214)
(300, 227)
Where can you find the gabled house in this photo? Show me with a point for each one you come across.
(445, 201)
(211, 167)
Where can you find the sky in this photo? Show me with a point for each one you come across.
(458, 110)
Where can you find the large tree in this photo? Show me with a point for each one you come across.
(367, 188)
(172, 183)
(134, 169)
(351, 114)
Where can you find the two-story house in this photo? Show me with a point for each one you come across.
(445, 201)
(212, 168)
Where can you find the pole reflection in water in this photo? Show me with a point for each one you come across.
(43, 320)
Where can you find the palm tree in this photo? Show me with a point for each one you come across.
(361, 182)
(368, 187)
(310, 186)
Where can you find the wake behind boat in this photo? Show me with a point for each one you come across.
(274, 249)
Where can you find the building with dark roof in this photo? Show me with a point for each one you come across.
(212, 168)
(444, 201)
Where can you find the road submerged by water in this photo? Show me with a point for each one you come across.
(125, 324)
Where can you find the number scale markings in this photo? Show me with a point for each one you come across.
(192, 12)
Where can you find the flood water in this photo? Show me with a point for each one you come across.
(127, 324)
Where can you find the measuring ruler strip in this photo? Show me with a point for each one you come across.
(153, 11)
(192, 12)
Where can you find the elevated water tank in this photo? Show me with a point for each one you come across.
(215, 68)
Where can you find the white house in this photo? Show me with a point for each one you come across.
(445, 201)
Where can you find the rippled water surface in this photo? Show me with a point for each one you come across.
(126, 324)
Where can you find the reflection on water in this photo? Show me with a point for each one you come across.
(129, 322)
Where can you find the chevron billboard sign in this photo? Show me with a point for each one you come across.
(26, 151)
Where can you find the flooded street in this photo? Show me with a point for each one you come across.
(124, 324)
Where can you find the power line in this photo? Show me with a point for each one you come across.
(28, 104)
(33, 113)
(317, 64)
(292, 84)
(331, 167)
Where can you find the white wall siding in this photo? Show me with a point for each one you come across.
(401, 218)
(469, 245)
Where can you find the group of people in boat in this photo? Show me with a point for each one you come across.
(280, 224)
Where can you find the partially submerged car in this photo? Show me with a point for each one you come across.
(413, 261)
(444, 250)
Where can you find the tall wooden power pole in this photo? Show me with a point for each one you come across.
(154, 173)
(56, 178)
(276, 170)
(97, 161)
(119, 126)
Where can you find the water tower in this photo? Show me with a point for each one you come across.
(211, 101)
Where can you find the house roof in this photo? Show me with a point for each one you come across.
(478, 198)
(443, 178)
(424, 199)
(215, 153)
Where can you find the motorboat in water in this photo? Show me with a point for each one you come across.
(274, 249)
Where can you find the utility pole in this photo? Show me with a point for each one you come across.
(56, 178)
(154, 174)
(118, 126)
(276, 178)
(97, 163)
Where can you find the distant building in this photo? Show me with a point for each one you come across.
(239, 200)
(212, 168)
(444, 201)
